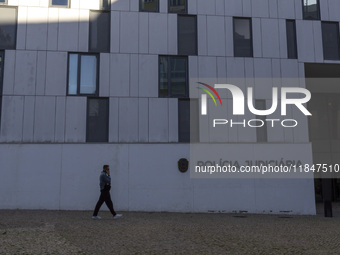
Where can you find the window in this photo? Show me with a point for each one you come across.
(3, 1)
(261, 132)
(83, 74)
(330, 40)
(8, 27)
(105, 5)
(187, 35)
(311, 9)
(188, 120)
(97, 123)
(149, 5)
(178, 6)
(99, 34)
(291, 39)
(60, 3)
(173, 80)
(243, 42)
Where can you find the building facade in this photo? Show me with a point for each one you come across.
(86, 83)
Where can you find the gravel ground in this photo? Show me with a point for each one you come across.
(74, 232)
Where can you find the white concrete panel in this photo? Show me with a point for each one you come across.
(298, 9)
(334, 9)
(235, 74)
(274, 134)
(229, 36)
(219, 133)
(120, 75)
(221, 70)
(56, 73)
(158, 120)
(260, 8)
(148, 76)
(173, 120)
(44, 3)
(60, 118)
(246, 8)
(36, 38)
(305, 40)
(216, 33)
(83, 43)
(249, 72)
(287, 9)
(301, 131)
(276, 72)
(263, 81)
(207, 68)
(28, 122)
(53, 27)
(128, 120)
(75, 126)
(134, 5)
(270, 38)
(29, 3)
(44, 119)
(25, 72)
(172, 34)
(21, 28)
(289, 69)
(324, 11)
(273, 8)
(41, 73)
(234, 8)
(257, 37)
(104, 75)
(163, 6)
(206, 7)
(143, 24)
(75, 4)
(220, 10)
(192, 6)
(134, 81)
(114, 120)
(202, 35)
(318, 46)
(143, 120)
(68, 30)
(158, 33)
(115, 19)
(283, 38)
(120, 5)
(12, 118)
(129, 32)
(90, 4)
(9, 72)
(289, 132)
(13, 2)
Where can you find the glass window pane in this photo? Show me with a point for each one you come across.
(178, 6)
(149, 5)
(187, 35)
(3, 1)
(291, 39)
(97, 120)
(330, 40)
(73, 74)
(178, 77)
(88, 74)
(105, 4)
(311, 9)
(60, 2)
(8, 28)
(242, 38)
(163, 77)
(99, 31)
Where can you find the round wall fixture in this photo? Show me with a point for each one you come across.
(183, 165)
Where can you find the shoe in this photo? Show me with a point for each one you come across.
(117, 216)
(96, 217)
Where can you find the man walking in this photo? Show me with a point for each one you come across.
(105, 186)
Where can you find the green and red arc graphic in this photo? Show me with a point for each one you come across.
(209, 93)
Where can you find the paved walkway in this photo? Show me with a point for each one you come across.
(73, 232)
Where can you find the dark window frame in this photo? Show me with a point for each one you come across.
(169, 83)
(59, 6)
(4, 3)
(180, 53)
(304, 16)
(16, 26)
(142, 10)
(191, 138)
(97, 55)
(107, 118)
(182, 12)
(338, 38)
(102, 7)
(295, 55)
(90, 34)
(251, 36)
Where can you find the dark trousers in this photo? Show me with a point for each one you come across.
(104, 197)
